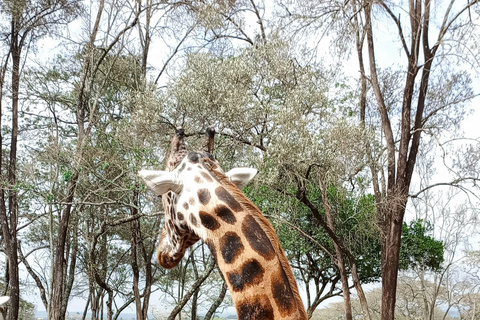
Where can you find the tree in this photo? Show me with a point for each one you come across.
(419, 250)
(28, 21)
(415, 111)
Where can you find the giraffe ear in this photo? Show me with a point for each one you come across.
(161, 182)
(4, 299)
(241, 176)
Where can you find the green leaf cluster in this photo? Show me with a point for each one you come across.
(419, 249)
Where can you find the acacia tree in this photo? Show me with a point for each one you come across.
(79, 107)
(29, 20)
(414, 110)
(416, 114)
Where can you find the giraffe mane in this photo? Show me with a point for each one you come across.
(251, 208)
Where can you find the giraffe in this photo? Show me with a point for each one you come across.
(201, 201)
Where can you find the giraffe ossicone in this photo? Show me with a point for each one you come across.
(201, 201)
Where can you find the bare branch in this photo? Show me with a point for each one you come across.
(453, 183)
(173, 54)
(399, 27)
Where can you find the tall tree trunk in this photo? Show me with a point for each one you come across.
(5, 229)
(64, 219)
(9, 224)
(195, 295)
(70, 275)
(139, 249)
(134, 262)
(60, 259)
(390, 263)
(340, 261)
(391, 240)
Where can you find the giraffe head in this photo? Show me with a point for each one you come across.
(187, 192)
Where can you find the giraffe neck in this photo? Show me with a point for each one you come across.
(261, 285)
(250, 258)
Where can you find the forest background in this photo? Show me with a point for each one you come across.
(361, 117)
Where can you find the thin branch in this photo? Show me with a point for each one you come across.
(195, 286)
(173, 54)
(247, 38)
(399, 26)
(306, 235)
(258, 146)
(453, 183)
(262, 29)
(34, 276)
(386, 125)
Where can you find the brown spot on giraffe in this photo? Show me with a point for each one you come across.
(257, 238)
(203, 196)
(255, 308)
(249, 274)
(206, 176)
(208, 221)
(193, 220)
(182, 167)
(225, 214)
(228, 199)
(282, 293)
(193, 157)
(230, 246)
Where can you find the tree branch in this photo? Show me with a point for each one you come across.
(173, 54)
(454, 183)
(399, 26)
(34, 275)
(195, 286)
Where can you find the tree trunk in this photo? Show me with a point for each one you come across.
(70, 275)
(139, 250)
(340, 262)
(9, 224)
(60, 259)
(135, 269)
(391, 240)
(195, 295)
(358, 286)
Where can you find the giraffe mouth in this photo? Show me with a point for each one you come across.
(167, 261)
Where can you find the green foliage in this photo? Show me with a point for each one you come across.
(355, 224)
(27, 310)
(418, 249)
(354, 220)
(67, 175)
